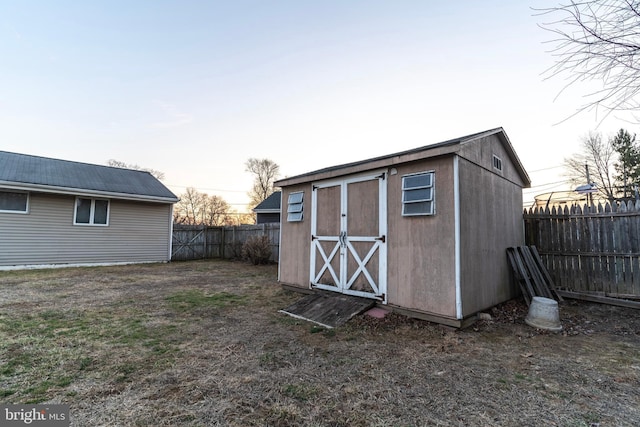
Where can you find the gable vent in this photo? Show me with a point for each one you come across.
(497, 163)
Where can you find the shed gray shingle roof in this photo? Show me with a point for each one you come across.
(53, 175)
(425, 151)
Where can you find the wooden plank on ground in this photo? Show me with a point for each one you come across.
(601, 299)
(328, 310)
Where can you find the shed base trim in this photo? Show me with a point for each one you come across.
(294, 288)
(435, 318)
(430, 317)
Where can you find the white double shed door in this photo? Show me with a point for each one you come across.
(349, 235)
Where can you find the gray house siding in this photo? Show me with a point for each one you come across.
(137, 232)
(266, 218)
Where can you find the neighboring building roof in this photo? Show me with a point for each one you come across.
(25, 172)
(269, 205)
(446, 147)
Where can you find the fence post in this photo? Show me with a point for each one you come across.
(204, 241)
(223, 241)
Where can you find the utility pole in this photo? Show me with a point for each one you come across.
(589, 196)
(624, 174)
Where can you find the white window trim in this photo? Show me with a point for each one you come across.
(92, 212)
(433, 193)
(11, 211)
(301, 207)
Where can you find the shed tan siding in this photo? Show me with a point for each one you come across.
(480, 152)
(490, 222)
(295, 241)
(421, 249)
(433, 270)
(137, 232)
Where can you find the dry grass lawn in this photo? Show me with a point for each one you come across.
(203, 344)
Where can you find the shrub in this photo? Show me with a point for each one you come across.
(257, 250)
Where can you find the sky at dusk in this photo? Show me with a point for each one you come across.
(195, 88)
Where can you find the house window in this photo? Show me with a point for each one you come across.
(295, 207)
(497, 163)
(91, 212)
(14, 202)
(418, 194)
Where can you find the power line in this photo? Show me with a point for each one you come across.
(549, 184)
(546, 169)
(209, 189)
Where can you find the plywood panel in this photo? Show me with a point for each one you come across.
(295, 241)
(491, 221)
(481, 151)
(328, 210)
(421, 260)
(362, 215)
(356, 276)
(363, 220)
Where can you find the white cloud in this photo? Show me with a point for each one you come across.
(172, 116)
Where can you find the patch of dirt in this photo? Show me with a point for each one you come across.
(245, 364)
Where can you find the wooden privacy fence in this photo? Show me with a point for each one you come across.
(591, 252)
(202, 242)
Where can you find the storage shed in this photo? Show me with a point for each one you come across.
(424, 231)
(58, 212)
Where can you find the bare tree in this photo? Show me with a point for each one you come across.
(118, 164)
(190, 209)
(239, 218)
(265, 172)
(216, 211)
(196, 208)
(597, 160)
(598, 40)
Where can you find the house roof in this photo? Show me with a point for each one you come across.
(269, 205)
(33, 173)
(451, 146)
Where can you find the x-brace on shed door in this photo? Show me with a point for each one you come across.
(348, 235)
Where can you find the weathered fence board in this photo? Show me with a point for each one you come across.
(590, 250)
(203, 242)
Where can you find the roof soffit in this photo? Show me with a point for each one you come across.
(8, 185)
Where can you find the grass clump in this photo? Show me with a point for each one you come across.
(300, 392)
(195, 299)
(47, 351)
